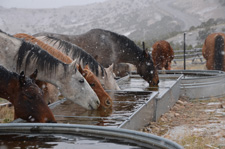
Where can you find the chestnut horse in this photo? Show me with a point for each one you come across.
(162, 55)
(105, 99)
(108, 47)
(213, 51)
(25, 96)
(106, 76)
(17, 54)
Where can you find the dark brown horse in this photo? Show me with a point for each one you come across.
(25, 96)
(108, 47)
(213, 51)
(162, 55)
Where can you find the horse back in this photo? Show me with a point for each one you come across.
(97, 43)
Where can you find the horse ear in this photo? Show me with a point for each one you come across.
(33, 76)
(81, 70)
(111, 67)
(86, 67)
(22, 78)
(145, 53)
(73, 66)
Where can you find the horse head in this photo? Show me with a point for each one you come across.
(147, 70)
(105, 99)
(74, 82)
(109, 81)
(30, 104)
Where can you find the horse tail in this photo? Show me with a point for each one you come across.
(219, 52)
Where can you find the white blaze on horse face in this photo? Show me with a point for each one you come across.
(77, 89)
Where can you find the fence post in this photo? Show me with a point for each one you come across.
(184, 53)
(143, 45)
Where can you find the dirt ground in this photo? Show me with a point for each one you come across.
(194, 124)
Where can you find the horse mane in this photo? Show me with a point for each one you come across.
(30, 53)
(79, 54)
(54, 52)
(218, 56)
(6, 75)
(123, 41)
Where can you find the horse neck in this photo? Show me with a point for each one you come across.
(9, 47)
(125, 55)
(132, 57)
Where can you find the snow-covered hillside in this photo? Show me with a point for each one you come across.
(137, 19)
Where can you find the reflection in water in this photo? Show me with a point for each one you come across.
(36, 141)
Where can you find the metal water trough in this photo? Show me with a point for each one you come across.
(135, 112)
(141, 106)
(141, 140)
(201, 84)
(168, 94)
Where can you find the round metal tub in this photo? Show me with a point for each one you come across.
(200, 84)
(96, 137)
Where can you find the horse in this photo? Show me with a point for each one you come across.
(25, 96)
(213, 51)
(108, 47)
(106, 76)
(162, 55)
(105, 99)
(17, 54)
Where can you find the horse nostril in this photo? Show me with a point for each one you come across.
(81, 80)
(98, 103)
(107, 102)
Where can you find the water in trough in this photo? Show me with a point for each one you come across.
(135, 92)
(21, 140)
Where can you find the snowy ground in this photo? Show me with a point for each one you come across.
(193, 123)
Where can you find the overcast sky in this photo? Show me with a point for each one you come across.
(44, 3)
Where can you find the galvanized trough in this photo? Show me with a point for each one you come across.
(36, 135)
(201, 84)
(137, 107)
(168, 92)
(133, 107)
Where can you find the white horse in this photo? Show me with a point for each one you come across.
(106, 76)
(16, 54)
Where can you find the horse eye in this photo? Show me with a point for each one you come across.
(92, 84)
(81, 80)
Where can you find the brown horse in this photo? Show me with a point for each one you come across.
(213, 51)
(105, 99)
(25, 95)
(162, 55)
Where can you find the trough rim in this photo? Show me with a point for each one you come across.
(130, 135)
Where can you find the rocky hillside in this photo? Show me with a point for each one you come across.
(137, 19)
